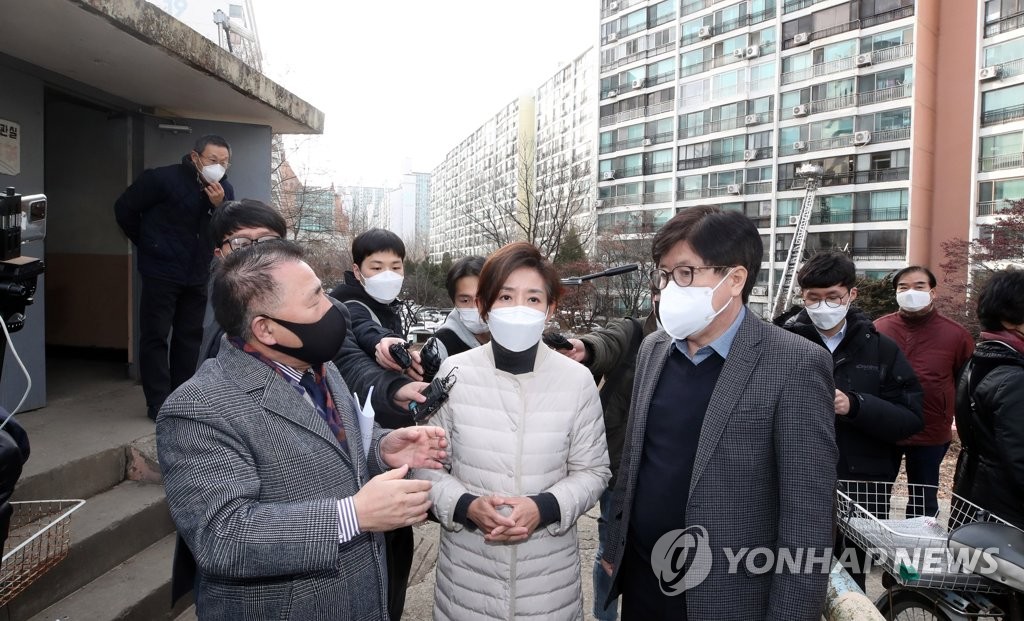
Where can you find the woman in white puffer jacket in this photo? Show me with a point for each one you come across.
(529, 457)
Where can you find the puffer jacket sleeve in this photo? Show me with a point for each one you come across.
(1004, 397)
(588, 471)
(896, 412)
(607, 346)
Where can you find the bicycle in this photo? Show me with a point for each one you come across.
(963, 564)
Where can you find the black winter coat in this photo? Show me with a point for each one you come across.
(990, 469)
(885, 397)
(369, 331)
(166, 214)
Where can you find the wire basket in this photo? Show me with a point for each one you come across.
(39, 538)
(913, 550)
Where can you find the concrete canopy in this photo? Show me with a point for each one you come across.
(135, 51)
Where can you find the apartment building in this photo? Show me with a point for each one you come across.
(720, 102)
(409, 209)
(480, 181)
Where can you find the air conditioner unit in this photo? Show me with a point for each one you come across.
(861, 137)
(705, 32)
(599, 203)
(613, 36)
(612, 93)
(734, 188)
(799, 145)
(863, 60)
(989, 73)
(800, 110)
(753, 51)
(801, 38)
(608, 175)
(648, 142)
(794, 220)
(750, 154)
(638, 83)
(759, 290)
(613, 6)
(739, 53)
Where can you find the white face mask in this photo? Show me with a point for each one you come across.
(912, 300)
(384, 287)
(684, 311)
(825, 317)
(516, 328)
(213, 173)
(470, 317)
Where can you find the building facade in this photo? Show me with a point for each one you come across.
(409, 212)
(718, 102)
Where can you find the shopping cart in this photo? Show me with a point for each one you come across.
(39, 538)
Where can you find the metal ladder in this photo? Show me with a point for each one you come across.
(811, 173)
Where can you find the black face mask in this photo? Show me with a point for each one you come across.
(321, 340)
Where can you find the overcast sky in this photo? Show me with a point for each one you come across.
(407, 80)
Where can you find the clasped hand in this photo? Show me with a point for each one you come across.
(513, 528)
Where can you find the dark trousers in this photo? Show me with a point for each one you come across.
(640, 590)
(923, 469)
(171, 330)
(398, 545)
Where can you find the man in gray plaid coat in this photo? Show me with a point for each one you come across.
(266, 474)
(725, 488)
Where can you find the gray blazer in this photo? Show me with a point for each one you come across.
(252, 475)
(764, 473)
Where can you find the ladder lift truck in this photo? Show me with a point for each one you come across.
(811, 174)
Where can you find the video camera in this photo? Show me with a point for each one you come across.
(22, 219)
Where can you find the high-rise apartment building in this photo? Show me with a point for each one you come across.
(479, 182)
(409, 208)
(365, 206)
(720, 102)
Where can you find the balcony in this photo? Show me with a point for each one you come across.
(874, 175)
(711, 160)
(846, 140)
(621, 34)
(847, 216)
(661, 78)
(636, 113)
(711, 127)
(1001, 162)
(733, 24)
(1011, 68)
(854, 99)
(878, 57)
(1002, 115)
(795, 5)
(655, 169)
(1005, 24)
(867, 22)
(757, 187)
(871, 253)
(657, 197)
(689, 195)
(641, 55)
(989, 208)
(687, 8)
(618, 201)
(621, 145)
(622, 5)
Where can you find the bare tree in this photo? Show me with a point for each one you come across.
(525, 206)
(614, 248)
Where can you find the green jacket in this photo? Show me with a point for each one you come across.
(611, 356)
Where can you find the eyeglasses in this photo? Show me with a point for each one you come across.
(237, 243)
(832, 301)
(210, 161)
(681, 274)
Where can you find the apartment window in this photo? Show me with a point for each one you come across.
(764, 38)
(761, 173)
(236, 11)
(820, 20)
(658, 162)
(886, 205)
(999, 191)
(622, 189)
(789, 135)
(885, 79)
(693, 61)
(888, 39)
(759, 140)
(1004, 52)
(1002, 105)
(797, 62)
(659, 70)
(828, 240)
(832, 89)
(875, 7)
(879, 245)
(1002, 144)
(726, 84)
(833, 209)
(661, 13)
(889, 119)
(658, 97)
(662, 37)
(725, 48)
(658, 186)
(831, 128)
(694, 92)
(660, 129)
(762, 76)
(760, 105)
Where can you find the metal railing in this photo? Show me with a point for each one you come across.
(878, 57)
(657, 197)
(661, 137)
(888, 16)
(624, 115)
(878, 253)
(634, 171)
(1011, 68)
(733, 24)
(711, 160)
(1002, 115)
(630, 143)
(654, 169)
(757, 187)
(661, 78)
(866, 22)
(711, 127)
(635, 56)
(623, 5)
(617, 201)
(619, 34)
(795, 5)
(1004, 24)
(845, 140)
(659, 108)
(1000, 162)
(988, 208)
(847, 216)
(689, 195)
(875, 175)
(686, 8)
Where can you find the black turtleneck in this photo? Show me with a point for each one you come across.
(516, 363)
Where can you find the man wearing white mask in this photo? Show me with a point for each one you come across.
(730, 441)
(166, 214)
(463, 329)
(937, 348)
(877, 398)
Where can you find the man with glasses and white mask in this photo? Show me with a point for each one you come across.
(166, 214)
(937, 348)
(729, 441)
(877, 396)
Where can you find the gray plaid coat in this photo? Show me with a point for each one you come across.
(252, 475)
(764, 473)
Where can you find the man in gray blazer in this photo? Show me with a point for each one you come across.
(264, 464)
(728, 469)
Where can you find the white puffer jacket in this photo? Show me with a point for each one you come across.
(517, 435)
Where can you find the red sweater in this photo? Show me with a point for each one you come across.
(937, 348)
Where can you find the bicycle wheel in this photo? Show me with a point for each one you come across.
(906, 605)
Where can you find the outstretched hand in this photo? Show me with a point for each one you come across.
(417, 447)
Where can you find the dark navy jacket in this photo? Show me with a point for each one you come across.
(166, 214)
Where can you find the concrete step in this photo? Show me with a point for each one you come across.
(137, 590)
(111, 528)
